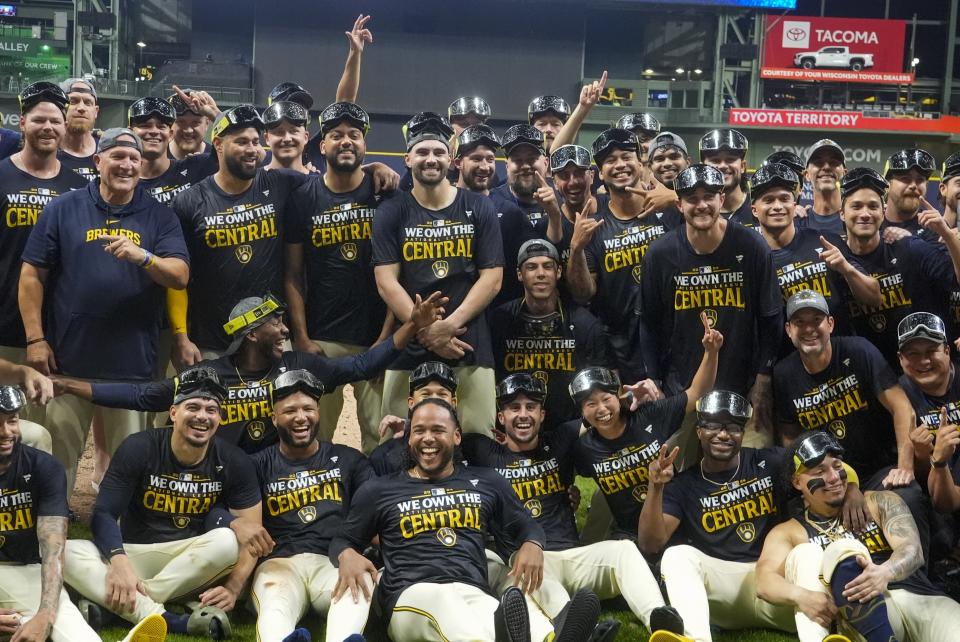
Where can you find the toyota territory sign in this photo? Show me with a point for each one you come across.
(835, 50)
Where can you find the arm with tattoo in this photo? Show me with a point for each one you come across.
(900, 530)
(52, 534)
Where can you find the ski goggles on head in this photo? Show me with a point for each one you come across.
(518, 135)
(723, 407)
(42, 91)
(566, 154)
(239, 117)
(180, 106)
(475, 136)
(921, 325)
(12, 399)
(590, 379)
(285, 110)
(149, 107)
(434, 371)
(723, 140)
(789, 159)
(290, 91)
(427, 121)
(770, 176)
(696, 176)
(255, 316)
(293, 381)
(196, 382)
(862, 177)
(951, 166)
(520, 384)
(542, 105)
(907, 159)
(469, 105)
(612, 139)
(640, 123)
(813, 448)
(336, 113)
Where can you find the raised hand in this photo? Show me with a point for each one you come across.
(584, 225)
(359, 36)
(590, 93)
(833, 257)
(712, 339)
(931, 219)
(948, 436)
(661, 468)
(546, 197)
(200, 101)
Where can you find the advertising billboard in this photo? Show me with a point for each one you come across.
(834, 50)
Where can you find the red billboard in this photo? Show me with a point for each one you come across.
(808, 119)
(834, 50)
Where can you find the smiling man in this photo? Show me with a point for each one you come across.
(824, 169)
(908, 171)
(667, 157)
(726, 149)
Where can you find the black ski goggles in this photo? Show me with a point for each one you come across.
(151, 107)
(862, 177)
(951, 166)
(813, 449)
(12, 399)
(590, 379)
(921, 325)
(563, 156)
(520, 384)
(180, 106)
(433, 371)
(907, 159)
(427, 121)
(285, 110)
(640, 123)
(239, 117)
(723, 140)
(292, 92)
(469, 105)
(336, 113)
(705, 176)
(789, 159)
(721, 406)
(542, 105)
(518, 135)
(542, 327)
(770, 176)
(612, 139)
(475, 136)
(42, 91)
(202, 381)
(293, 381)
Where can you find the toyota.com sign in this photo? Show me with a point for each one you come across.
(835, 49)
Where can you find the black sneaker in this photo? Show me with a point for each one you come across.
(511, 619)
(91, 613)
(666, 618)
(606, 631)
(578, 618)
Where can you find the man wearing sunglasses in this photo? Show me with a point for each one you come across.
(726, 149)
(908, 171)
(79, 144)
(164, 518)
(868, 581)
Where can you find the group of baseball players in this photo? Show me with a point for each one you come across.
(763, 393)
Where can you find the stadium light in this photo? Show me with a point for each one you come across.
(648, 71)
(679, 70)
(698, 71)
(914, 62)
(141, 44)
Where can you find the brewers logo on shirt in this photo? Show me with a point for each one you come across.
(531, 478)
(249, 402)
(894, 296)
(627, 469)
(441, 511)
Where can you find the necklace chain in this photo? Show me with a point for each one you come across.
(831, 528)
(720, 484)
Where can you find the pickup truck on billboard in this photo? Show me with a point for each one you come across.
(834, 57)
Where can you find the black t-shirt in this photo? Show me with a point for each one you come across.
(514, 232)
(927, 407)
(540, 477)
(843, 398)
(180, 176)
(389, 457)
(914, 276)
(735, 285)
(247, 409)
(434, 531)
(34, 485)
(727, 515)
(552, 352)
(823, 223)
(620, 466)
(158, 499)
(305, 501)
(335, 231)
(82, 166)
(23, 197)
(744, 215)
(441, 250)
(533, 211)
(236, 247)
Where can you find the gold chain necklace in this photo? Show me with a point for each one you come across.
(722, 485)
(831, 529)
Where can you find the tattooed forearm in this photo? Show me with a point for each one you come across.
(52, 534)
(900, 530)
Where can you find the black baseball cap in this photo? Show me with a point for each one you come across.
(39, 92)
(860, 177)
(723, 406)
(567, 154)
(290, 91)
(518, 135)
(475, 136)
(723, 140)
(825, 144)
(291, 381)
(787, 158)
(611, 139)
(469, 105)
(698, 175)
(517, 384)
(537, 247)
(907, 159)
(239, 117)
(590, 379)
(771, 175)
(542, 105)
(642, 122)
(336, 113)
(285, 110)
(199, 381)
(434, 371)
(150, 107)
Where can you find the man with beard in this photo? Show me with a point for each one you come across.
(544, 335)
(527, 163)
(908, 171)
(160, 521)
(715, 267)
(306, 484)
(667, 156)
(571, 167)
(726, 150)
(79, 144)
(233, 222)
(914, 275)
(548, 114)
(824, 170)
(950, 188)
(335, 309)
(29, 179)
(606, 250)
(805, 258)
(438, 235)
(285, 130)
(869, 581)
(94, 274)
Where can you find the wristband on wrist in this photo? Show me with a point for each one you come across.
(938, 463)
(37, 340)
(148, 259)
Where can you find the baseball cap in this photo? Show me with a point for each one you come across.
(40, 92)
(806, 299)
(698, 175)
(199, 381)
(118, 137)
(469, 105)
(517, 384)
(642, 122)
(518, 135)
(475, 136)
(920, 325)
(248, 315)
(87, 87)
(434, 371)
(825, 144)
(813, 447)
(12, 399)
(907, 159)
(293, 381)
(335, 113)
(542, 105)
(537, 247)
(590, 379)
(772, 175)
(666, 139)
(611, 139)
(290, 91)
(723, 405)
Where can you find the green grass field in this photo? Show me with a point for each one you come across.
(630, 631)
